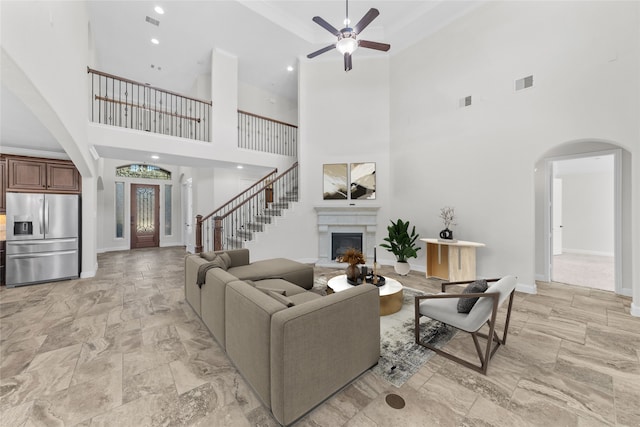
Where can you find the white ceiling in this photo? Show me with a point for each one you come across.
(265, 35)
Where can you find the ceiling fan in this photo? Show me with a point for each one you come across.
(347, 37)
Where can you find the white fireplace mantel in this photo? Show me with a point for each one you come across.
(347, 219)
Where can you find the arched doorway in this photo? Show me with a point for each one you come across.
(589, 240)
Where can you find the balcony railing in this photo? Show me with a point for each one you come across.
(267, 135)
(117, 101)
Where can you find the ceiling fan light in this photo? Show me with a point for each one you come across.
(347, 45)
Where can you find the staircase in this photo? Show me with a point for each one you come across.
(238, 220)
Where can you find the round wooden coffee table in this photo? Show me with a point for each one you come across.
(391, 296)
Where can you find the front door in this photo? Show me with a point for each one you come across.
(145, 216)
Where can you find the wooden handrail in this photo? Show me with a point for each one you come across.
(267, 118)
(113, 76)
(263, 188)
(129, 104)
(240, 195)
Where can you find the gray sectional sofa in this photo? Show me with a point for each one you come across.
(294, 347)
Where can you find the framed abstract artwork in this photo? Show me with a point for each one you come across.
(363, 181)
(335, 181)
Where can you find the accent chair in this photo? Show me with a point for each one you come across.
(444, 308)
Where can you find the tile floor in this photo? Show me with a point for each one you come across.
(124, 349)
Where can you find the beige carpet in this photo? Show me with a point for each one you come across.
(591, 271)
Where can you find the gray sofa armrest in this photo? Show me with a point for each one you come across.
(248, 321)
(212, 302)
(320, 346)
(191, 288)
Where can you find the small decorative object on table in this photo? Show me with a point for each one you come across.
(374, 278)
(447, 214)
(353, 257)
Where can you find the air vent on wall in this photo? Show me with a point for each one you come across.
(524, 83)
(152, 21)
(465, 102)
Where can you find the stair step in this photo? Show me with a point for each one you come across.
(272, 212)
(234, 243)
(254, 226)
(244, 234)
(263, 219)
(279, 205)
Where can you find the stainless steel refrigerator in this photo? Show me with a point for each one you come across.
(42, 238)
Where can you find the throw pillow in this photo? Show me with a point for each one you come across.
(466, 304)
(226, 258)
(281, 298)
(209, 256)
(218, 263)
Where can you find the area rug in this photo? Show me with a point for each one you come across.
(400, 356)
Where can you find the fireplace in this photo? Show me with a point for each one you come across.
(340, 242)
(346, 222)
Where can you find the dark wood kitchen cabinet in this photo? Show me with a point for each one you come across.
(27, 174)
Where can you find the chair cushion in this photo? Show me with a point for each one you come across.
(445, 309)
(466, 304)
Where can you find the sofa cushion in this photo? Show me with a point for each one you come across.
(226, 259)
(277, 268)
(289, 288)
(304, 297)
(209, 256)
(272, 290)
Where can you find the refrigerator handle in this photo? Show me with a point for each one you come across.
(46, 216)
(41, 216)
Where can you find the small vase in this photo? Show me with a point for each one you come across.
(353, 272)
(446, 234)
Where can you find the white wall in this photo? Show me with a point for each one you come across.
(587, 213)
(481, 159)
(263, 103)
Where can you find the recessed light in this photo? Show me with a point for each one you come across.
(240, 167)
(155, 41)
(289, 68)
(159, 10)
(155, 157)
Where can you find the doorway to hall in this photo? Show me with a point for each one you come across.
(145, 216)
(583, 221)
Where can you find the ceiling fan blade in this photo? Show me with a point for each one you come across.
(366, 20)
(324, 24)
(374, 45)
(321, 51)
(347, 61)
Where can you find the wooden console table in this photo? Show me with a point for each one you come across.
(451, 260)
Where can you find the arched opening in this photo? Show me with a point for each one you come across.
(599, 210)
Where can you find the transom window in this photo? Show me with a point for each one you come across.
(143, 171)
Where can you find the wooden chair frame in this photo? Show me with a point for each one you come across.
(489, 352)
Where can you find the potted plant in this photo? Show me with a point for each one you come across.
(402, 244)
(353, 257)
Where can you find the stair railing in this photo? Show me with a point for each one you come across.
(228, 226)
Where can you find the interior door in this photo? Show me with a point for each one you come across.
(145, 216)
(187, 216)
(556, 220)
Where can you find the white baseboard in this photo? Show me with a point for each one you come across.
(88, 274)
(635, 310)
(586, 252)
(540, 277)
(527, 288)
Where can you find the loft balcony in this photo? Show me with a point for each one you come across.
(121, 102)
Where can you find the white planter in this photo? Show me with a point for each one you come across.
(402, 268)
